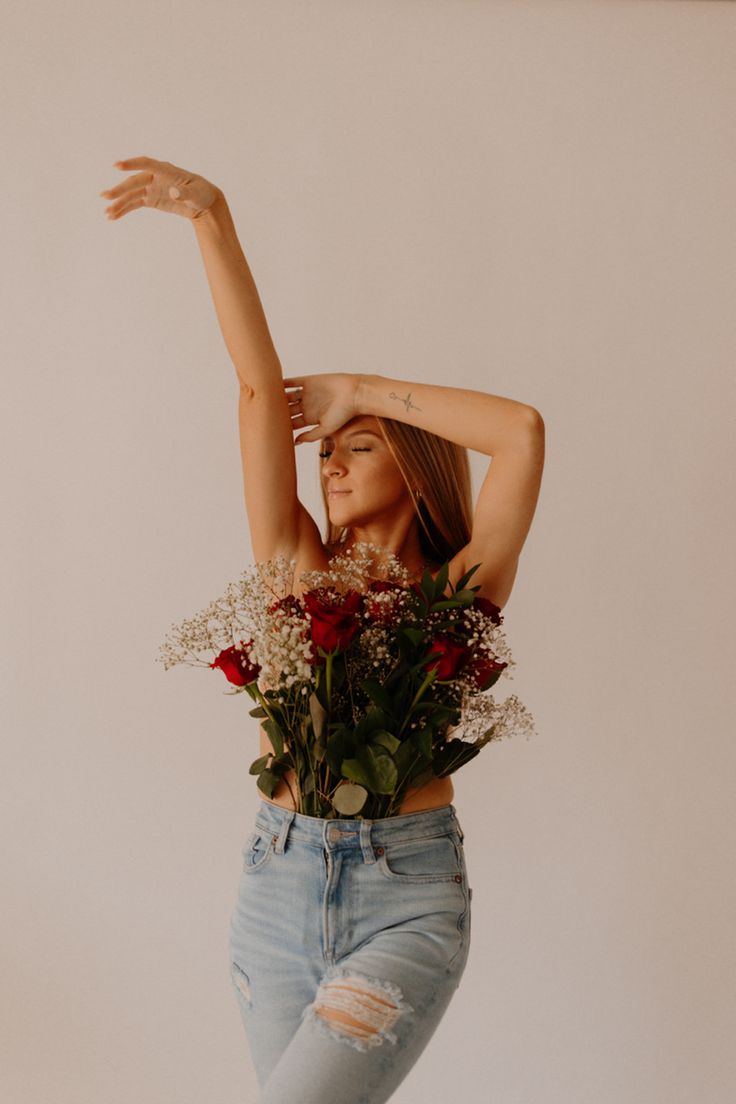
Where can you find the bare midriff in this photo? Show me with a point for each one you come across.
(440, 791)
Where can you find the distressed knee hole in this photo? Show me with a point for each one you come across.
(358, 1010)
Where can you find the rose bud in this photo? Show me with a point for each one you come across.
(489, 608)
(290, 604)
(333, 624)
(482, 668)
(236, 665)
(453, 654)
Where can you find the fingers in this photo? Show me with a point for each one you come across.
(294, 381)
(149, 163)
(127, 202)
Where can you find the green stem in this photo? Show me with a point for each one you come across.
(427, 680)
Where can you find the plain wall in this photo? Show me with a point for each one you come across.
(530, 198)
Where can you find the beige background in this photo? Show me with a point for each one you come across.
(532, 198)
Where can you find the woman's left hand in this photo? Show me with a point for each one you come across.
(326, 401)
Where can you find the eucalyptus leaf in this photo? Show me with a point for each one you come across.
(386, 739)
(348, 799)
(318, 714)
(373, 768)
(353, 769)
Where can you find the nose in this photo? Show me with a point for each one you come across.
(334, 466)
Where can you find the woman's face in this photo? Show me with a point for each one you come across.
(360, 476)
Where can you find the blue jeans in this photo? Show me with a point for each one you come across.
(347, 943)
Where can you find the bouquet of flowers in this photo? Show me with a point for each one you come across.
(364, 684)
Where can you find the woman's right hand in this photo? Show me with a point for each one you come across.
(161, 185)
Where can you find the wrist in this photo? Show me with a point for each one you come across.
(365, 393)
(217, 216)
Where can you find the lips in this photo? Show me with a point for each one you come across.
(339, 492)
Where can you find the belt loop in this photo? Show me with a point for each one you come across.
(283, 834)
(365, 841)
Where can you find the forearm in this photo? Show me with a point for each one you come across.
(236, 299)
(474, 419)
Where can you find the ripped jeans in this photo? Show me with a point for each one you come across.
(347, 943)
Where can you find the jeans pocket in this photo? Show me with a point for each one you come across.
(418, 861)
(257, 851)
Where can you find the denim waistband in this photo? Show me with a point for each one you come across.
(345, 833)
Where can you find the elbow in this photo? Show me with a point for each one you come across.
(533, 420)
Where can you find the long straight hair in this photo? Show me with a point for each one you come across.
(441, 471)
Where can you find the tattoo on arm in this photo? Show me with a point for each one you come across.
(407, 401)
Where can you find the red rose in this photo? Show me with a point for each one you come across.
(290, 605)
(236, 665)
(333, 623)
(482, 668)
(387, 613)
(453, 654)
(489, 608)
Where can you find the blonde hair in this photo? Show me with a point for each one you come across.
(440, 470)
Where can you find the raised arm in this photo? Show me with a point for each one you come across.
(278, 521)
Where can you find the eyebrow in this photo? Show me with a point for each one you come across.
(354, 433)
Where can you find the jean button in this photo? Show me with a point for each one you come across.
(274, 839)
(333, 834)
(458, 877)
(379, 850)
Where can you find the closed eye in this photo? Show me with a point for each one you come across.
(355, 449)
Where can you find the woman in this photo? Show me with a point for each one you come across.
(350, 936)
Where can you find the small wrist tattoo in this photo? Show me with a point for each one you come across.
(407, 401)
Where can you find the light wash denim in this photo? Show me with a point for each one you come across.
(347, 943)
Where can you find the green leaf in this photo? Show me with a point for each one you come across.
(348, 799)
(258, 764)
(259, 711)
(386, 739)
(424, 776)
(318, 714)
(374, 719)
(453, 755)
(374, 768)
(377, 693)
(414, 635)
(267, 782)
(353, 769)
(427, 585)
(275, 735)
(440, 582)
(422, 741)
(448, 603)
(462, 583)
